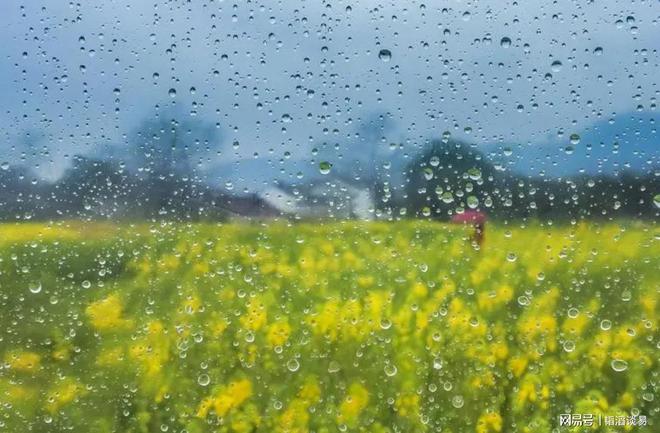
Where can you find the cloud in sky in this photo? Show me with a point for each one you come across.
(282, 77)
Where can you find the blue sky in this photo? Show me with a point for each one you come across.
(283, 78)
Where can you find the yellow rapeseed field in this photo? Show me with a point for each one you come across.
(326, 327)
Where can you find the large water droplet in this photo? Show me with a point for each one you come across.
(385, 55)
(505, 42)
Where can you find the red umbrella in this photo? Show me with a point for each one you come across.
(474, 217)
(477, 219)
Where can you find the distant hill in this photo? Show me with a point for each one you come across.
(625, 142)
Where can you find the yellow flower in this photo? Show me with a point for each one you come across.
(255, 316)
(230, 397)
(517, 365)
(419, 290)
(356, 400)
(152, 349)
(278, 333)
(105, 314)
(110, 357)
(489, 422)
(325, 322)
(23, 361)
(365, 281)
(64, 393)
(407, 405)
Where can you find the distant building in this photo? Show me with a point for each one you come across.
(332, 197)
(248, 206)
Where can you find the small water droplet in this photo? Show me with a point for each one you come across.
(605, 325)
(203, 379)
(293, 365)
(325, 167)
(569, 346)
(505, 42)
(333, 367)
(391, 370)
(619, 365)
(35, 287)
(385, 324)
(575, 139)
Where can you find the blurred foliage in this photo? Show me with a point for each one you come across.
(450, 175)
(353, 326)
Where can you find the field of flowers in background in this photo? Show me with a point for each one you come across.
(345, 326)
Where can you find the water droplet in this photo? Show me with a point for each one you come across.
(172, 93)
(619, 365)
(447, 197)
(385, 324)
(293, 365)
(203, 379)
(656, 200)
(4, 165)
(505, 42)
(385, 55)
(472, 202)
(474, 173)
(605, 325)
(575, 139)
(556, 66)
(35, 287)
(325, 167)
(457, 401)
(569, 346)
(333, 367)
(391, 370)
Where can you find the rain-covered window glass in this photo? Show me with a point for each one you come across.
(329, 216)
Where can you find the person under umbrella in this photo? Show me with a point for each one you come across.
(477, 219)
